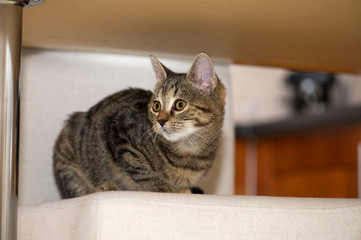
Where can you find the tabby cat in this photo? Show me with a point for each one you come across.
(137, 140)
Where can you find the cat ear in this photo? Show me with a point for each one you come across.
(161, 72)
(202, 73)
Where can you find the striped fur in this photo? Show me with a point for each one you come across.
(119, 144)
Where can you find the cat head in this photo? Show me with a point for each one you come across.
(185, 106)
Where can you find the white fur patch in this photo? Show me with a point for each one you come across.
(172, 136)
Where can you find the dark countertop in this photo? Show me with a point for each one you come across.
(300, 123)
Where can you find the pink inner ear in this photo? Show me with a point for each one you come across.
(204, 73)
(159, 73)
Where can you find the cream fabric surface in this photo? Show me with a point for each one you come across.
(141, 215)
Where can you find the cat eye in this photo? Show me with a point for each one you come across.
(179, 105)
(156, 106)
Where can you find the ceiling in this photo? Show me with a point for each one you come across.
(322, 35)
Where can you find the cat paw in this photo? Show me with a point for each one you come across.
(108, 186)
(185, 190)
(197, 190)
(170, 189)
(165, 188)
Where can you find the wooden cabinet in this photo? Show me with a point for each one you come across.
(318, 163)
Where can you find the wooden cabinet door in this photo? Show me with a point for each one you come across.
(320, 163)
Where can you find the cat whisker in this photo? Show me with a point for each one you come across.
(145, 134)
(148, 133)
(187, 140)
(201, 136)
(155, 135)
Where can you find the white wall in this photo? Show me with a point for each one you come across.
(258, 94)
(55, 84)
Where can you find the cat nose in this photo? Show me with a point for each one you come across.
(162, 121)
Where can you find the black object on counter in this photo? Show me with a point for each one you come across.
(311, 91)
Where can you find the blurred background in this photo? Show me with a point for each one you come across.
(297, 133)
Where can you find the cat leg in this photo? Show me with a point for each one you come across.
(192, 190)
(156, 184)
(170, 189)
(108, 186)
(71, 180)
(145, 178)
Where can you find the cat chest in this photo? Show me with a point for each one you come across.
(183, 178)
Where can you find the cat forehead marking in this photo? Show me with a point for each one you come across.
(167, 98)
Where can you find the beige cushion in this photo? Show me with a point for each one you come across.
(141, 215)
